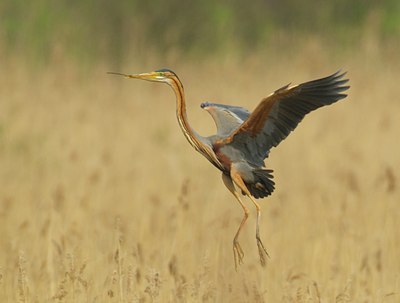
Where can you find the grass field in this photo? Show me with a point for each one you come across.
(103, 200)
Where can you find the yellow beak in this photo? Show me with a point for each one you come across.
(145, 76)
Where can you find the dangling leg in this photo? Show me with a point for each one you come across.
(237, 249)
(261, 249)
(237, 179)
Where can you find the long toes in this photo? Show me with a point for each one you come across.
(236, 257)
(261, 246)
(262, 252)
(238, 254)
(239, 250)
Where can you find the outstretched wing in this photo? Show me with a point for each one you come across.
(227, 118)
(278, 114)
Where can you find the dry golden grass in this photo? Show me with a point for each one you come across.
(103, 200)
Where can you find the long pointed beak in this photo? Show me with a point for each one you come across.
(144, 76)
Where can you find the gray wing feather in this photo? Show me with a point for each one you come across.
(241, 112)
(227, 118)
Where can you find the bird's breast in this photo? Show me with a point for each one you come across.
(223, 156)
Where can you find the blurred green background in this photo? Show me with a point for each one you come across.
(93, 30)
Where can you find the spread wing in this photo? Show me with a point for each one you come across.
(278, 114)
(227, 118)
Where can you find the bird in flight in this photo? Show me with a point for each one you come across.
(244, 139)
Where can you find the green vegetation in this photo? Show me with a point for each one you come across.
(102, 29)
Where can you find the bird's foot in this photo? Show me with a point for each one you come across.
(238, 254)
(262, 252)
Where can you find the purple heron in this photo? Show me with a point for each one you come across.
(244, 139)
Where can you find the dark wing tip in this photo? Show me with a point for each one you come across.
(338, 81)
(338, 75)
(204, 104)
(334, 81)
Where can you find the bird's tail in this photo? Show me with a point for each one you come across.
(263, 184)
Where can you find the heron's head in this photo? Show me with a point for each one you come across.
(162, 75)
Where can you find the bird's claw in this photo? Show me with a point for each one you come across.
(238, 254)
(262, 252)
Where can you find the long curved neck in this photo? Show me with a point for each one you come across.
(188, 132)
(194, 139)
